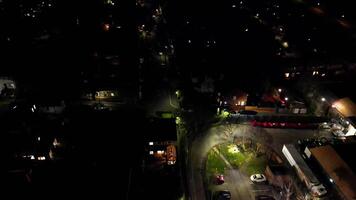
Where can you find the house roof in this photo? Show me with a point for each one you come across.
(337, 170)
(346, 107)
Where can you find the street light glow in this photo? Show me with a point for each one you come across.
(323, 99)
(286, 98)
(279, 90)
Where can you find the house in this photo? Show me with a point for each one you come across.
(160, 142)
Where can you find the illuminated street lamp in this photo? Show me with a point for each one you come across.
(279, 90)
(285, 44)
(323, 99)
(286, 98)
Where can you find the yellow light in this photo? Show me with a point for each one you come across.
(233, 149)
(285, 44)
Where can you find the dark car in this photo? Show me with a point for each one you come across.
(264, 197)
(222, 195)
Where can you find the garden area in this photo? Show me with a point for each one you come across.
(250, 159)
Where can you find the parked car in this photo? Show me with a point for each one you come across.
(258, 178)
(222, 195)
(219, 179)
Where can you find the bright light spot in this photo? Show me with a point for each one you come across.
(178, 120)
(160, 152)
(106, 27)
(285, 44)
(150, 143)
(286, 98)
(34, 106)
(235, 104)
(331, 180)
(225, 102)
(343, 16)
(347, 122)
(233, 149)
(160, 53)
(286, 75)
(32, 110)
(41, 158)
(32, 157)
(49, 5)
(242, 103)
(323, 74)
(112, 94)
(38, 138)
(279, 90)
(246, 29)
(318, 4)
(334, 106)
(189, 41)
(233, 5)
(323, 99)
(151, 152)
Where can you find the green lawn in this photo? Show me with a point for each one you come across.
(256, 165)
(214, 164)
(247, 161)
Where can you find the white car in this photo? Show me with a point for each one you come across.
(258, 178)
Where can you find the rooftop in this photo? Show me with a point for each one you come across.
(337, 170)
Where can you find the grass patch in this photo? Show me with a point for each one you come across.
(256, 165)
(236, 159)
(214, 164)
(244, 160)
